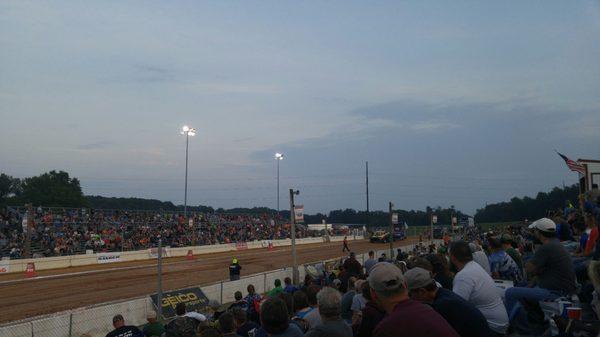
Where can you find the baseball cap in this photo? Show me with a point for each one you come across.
(544, 225)
(385, 276)
(506, 238)
(417, 278)
(337, 282)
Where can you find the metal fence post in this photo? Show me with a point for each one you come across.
(71, 325)
(221, 292)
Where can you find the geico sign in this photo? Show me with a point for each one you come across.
(179, 298)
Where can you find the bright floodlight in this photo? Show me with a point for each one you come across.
(279, 156)
(192, 132)
(185, 128)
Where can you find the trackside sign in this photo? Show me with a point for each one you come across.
(109, 257)
(194, 300)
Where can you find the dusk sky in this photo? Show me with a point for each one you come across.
(452, 103)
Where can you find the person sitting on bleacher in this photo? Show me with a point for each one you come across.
(502, 266)
(551, 267)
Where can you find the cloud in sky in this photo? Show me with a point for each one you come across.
(450, 103)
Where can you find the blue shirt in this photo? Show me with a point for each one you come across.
(505, 266)
(290, 289)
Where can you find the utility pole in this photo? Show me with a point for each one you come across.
(391, 206)
(159, 292)
(367, 176)
(295, 276)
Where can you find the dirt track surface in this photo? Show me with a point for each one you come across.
(62, 289)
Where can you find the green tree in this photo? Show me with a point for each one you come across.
(52, 189)
(9, 187)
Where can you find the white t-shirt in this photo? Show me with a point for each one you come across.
(476, 286)
(482, 259)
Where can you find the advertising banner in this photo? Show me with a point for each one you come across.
(241, 245)
(108, 257)
(194, 300)
(299, 213)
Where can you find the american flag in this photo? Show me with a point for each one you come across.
(573, 165)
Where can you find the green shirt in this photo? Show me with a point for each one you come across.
(153, 329)
(275, 291)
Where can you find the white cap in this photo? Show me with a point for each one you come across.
(544, 225)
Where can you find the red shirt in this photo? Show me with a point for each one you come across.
(591, 242)
(413, 319)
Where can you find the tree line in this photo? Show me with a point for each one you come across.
(519, 209)
(58, 189)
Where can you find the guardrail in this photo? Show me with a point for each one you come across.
(95, 321)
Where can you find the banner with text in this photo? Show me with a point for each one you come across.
(108, 257)
(194, 300)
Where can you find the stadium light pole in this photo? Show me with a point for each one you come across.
(188, 132)
(295, 276)
(278, 158)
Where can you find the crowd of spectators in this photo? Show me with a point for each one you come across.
(58, 231)
(475, 284)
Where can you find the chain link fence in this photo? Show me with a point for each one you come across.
(96, 321)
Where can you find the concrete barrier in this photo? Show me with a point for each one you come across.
(58, 262)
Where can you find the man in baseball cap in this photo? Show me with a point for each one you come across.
(465, 318)
(405, 316)
(552, 267)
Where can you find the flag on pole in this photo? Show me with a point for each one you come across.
(573, 165)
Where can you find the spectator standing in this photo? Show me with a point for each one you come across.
(329, 303)
(153, 328)
(243, 325)
(405, 317)
(346, 313)
(352, 266)
(370, 262)
(476, 286)
(275, 321)
(345, 242)
(234, 270)
(462, 316)
(122, 330)
(240, 302)
(289, 287)
(277, 290)
(253, 300)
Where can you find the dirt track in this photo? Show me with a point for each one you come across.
(23, 298)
